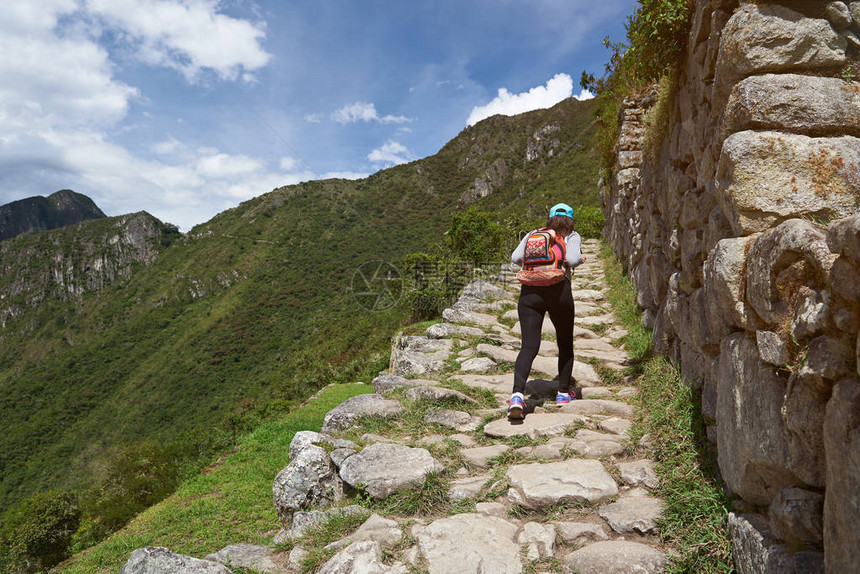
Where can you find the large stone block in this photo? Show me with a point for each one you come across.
(753, 440)
(155, 560)
(808, 105)
(796, 517)
(842, 499)
(309, 481)
(725, 285)
(843, 236)
(382, 469)
(771, 38)
(803, 413)
(348, 412)
(780, 262)
(754, 549)
(767, 177)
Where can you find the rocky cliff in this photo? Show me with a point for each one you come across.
(741, 233)
(64, 207)
(67, 262)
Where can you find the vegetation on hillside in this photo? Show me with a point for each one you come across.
(119, 395)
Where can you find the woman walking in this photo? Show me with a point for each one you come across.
(547, 256)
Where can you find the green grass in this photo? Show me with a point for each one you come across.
(231, 502)
(695, 517)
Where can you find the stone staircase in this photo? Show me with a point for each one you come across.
(564, 490)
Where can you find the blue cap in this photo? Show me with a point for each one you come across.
(561, 209)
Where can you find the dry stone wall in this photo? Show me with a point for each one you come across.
(741, 234)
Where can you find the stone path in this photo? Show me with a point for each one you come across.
(563, 490)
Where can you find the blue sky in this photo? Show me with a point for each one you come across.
(184, 108)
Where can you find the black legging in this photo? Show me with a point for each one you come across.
(534, 303)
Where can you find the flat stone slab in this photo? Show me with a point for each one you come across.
(421, 355)
(580, 532)
(346, 413)
(586, 295)
(157, 559)
(384, 383)
(598, 407)
(595, 392)
(460, 316)
(616, 426)
(533, 425)
(446, 330)
(607, 319)
(365, 556)
(633, 514)
(539, 485)
(593, 344)
(586, 310)
(495, 383)
(469, 543)
(477, 365)
(468, 487)
(259, 558)
(382, 469)
(460, 421)
(437, 394)
(381, 530)
(499, 354)
(538, 540)
(591, 444)
(464, 440)
(478, 456)
(639, 473)
(618, 557)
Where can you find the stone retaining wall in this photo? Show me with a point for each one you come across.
(741, 235)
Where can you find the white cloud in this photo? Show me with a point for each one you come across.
(288, 163)
(52, 82)
(391, 152)
(313, 118)
(364, 112)
(584, 95)
(186, 35)
(222, 165)
(557, 88)
(59, 99)
(169, 146)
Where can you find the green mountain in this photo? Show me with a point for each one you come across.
(120, 335)
(64, 207)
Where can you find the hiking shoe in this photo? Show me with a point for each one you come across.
(515, 406)
(563, 398)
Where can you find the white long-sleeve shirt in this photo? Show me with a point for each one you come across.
(572, 253)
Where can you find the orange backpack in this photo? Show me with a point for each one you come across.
(543, 260)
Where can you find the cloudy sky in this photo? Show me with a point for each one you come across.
(184, 108)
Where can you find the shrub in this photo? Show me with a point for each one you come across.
(589, 222)
(476, 236)
(657, 33)
(37, 534)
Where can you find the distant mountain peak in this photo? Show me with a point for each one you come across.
(61, 208)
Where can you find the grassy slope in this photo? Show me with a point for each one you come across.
(252, 307)
(229, 503)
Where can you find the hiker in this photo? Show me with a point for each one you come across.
(547, 256)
